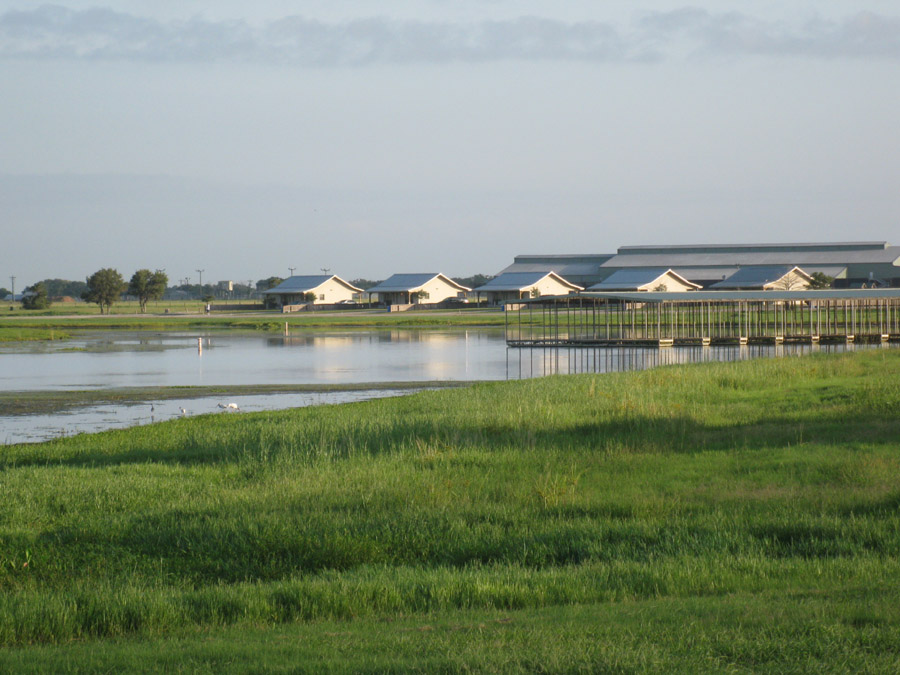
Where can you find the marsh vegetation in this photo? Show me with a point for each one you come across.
(702, 517)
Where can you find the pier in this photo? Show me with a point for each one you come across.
(704, 318)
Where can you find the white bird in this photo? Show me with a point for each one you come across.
(229, 406)
(183, 411)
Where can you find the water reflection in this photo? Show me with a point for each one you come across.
(112, 360)
(539, 362)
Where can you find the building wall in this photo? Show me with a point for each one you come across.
(332, 292)
(672, 284)
(546, 286)
(437, 290)
(789, 282)
(550, 286)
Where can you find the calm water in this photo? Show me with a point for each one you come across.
(145, 359)
(120, 359)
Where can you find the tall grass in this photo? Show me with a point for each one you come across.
(686, 481)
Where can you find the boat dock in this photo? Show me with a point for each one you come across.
(704, 318)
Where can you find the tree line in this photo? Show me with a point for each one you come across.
(106, 286)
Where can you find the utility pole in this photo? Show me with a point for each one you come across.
(13, 281)
(325, 270)
(292, 270)
(200, 272)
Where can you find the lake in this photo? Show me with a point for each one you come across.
(103, 360)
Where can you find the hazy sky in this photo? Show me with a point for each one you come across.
(374, 137)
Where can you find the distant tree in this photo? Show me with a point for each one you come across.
(821, 280)
(266, 284)
(63, 287)
(269, 301)
(104, 287)
(309, 296)
(535, 292)
(473, 281)
(35, 297)
(4, 292)
(365, 283)
(146, 285)
(661, 288)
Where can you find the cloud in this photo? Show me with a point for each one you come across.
(53, 32)
(863, 35)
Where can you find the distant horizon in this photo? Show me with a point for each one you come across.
(193, 281)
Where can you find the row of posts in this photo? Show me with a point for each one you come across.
(600, 321)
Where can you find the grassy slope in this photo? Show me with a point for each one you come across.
(700, 517)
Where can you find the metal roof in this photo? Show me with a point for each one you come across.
(306, 283)
(560, 267)
(711, 248)
(517, 281)
(573, 257)
(725, 296)
(677, 259)
(757, 276)
(410, 282)
(627, 279)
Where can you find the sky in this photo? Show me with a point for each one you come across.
(370, 138)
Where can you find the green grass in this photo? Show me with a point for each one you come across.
(24, 334)
(255, 321)
(711, 517)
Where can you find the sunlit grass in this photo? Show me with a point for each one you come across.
(684, 486)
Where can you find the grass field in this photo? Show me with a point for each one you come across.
(717, 517)
(39, 325)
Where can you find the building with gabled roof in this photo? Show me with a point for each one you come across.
(427, 288)
(848, 263)
(707, 264)
(517, 285)
(329, 289)
(765, 278)
(582, 269)
(645, 279)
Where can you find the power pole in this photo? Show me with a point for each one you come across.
(200, 272)
(325, 270)
(13, 281)
(292, 270)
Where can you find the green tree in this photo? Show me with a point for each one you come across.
(368, 283)
(269, 301)
(56, 287)
(309, 296)
(266, 284)
(4, 292)
(146, 285)
(36, 297)
(820, 280)
(105, 286)
(473, 281)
